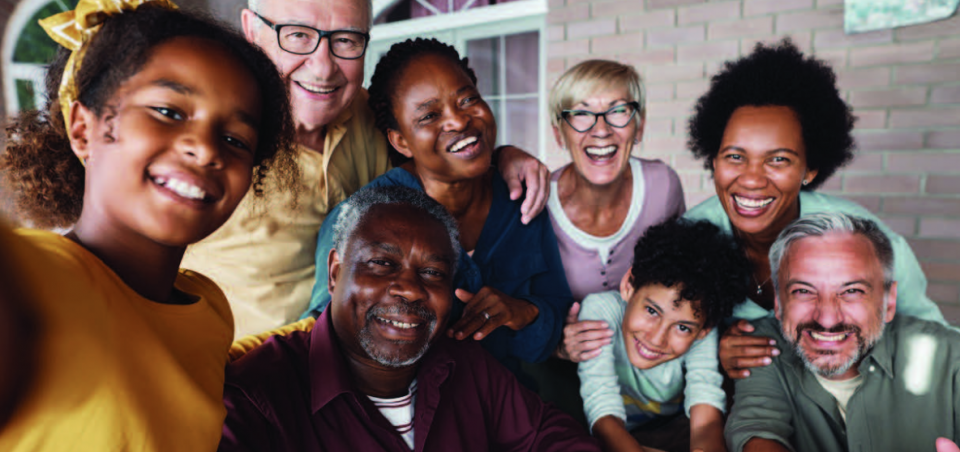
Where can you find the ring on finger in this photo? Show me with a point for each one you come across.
(486, 316)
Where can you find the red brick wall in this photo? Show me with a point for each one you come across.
(904, 85)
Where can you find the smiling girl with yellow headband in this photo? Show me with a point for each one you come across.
(174, 116)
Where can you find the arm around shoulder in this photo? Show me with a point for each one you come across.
(760, 411)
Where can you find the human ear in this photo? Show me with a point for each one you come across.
(809, 176)
(640, 126)
(82, 123)
(399, 143)
(248, 21)
(777, 309)
(626, 286)
(559, 138)
(890, 298)
(333, 270)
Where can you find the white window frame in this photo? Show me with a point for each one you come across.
(475, 23)
(13, 71)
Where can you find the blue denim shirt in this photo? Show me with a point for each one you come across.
(522, 261)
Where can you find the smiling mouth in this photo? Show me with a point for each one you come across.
(400, 325)
(748, 203)
(316, 89)
(182, 188)
(647, 353)
(460, 145)
(829, 337)
(600, 153)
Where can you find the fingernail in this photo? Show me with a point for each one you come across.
(775, 352)
(767, 361)
(746, 373)
(773, 342)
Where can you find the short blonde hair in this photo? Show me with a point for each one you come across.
(590, 77)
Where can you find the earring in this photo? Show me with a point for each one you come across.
(805, 183)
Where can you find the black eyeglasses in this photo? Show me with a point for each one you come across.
(584, 120)
(304, 40)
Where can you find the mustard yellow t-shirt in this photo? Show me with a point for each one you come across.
(115, 371)
(263, 257)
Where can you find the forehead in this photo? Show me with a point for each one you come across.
(428, 76)
(401, 226)
(322, 14)
(603, 97)
(771, 125)
(837, 256)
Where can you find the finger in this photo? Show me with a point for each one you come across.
(590, 346)
(577, 328)
(755, 352)
(736, 342)
(586, 356)
(477, 312)
(533, 189)
(738, 374)
(745, 326)
(748, 363)
(543, 194)
(591, 335)
(495, 321)
(516, 187)
(467, 325)
(463, 295)
(572, 314)
(946, 445)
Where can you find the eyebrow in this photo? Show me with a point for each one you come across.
(426, 105)
(185, 90)
(612, 102)
(772, 151)
(858, 281)
(387, 247)
(660, 310)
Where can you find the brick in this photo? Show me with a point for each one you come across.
(755, 26)
(673, 73)
(654, 4)
(863, 78)
(871, 203)
(946, 27)
(665, 144)
(554, 4)
(871, 119)
(836, 58)
(659, 126)
(674, 36)
(760, 7)
(822, 3)
(715, 50)
(945, 293)
(943, 139)
(831, 17)
(650, 19)
(617, 43)
(949, 49)
(930, 117)
(887, 183)
(693, 89)
(834, 184)
(574, 60)
(691, 181)
(802, 39)
(599, 27)
(685, 161)
(941, 227)
(708, 12)
(866, 162)
(891, 97)
(938, 184)
(556, 33)
(892, 54)
(616, 8)
(927, 73)
(922, 206)
(924, 161)
(945, 95)
(675, 108)
(567, 48)
(951, 313)
(568, 13)
(888, 140)
(556, 65)
(654, 57)
(933, 249)
(837, 38)
(905, 226)
(658, 92)
(941, 271)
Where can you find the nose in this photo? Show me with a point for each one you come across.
(753, 175)
(201, 146)
(456, 120)
(408, 285)
(829, 312)
(659, 335)
(322, 62)
(601, 129)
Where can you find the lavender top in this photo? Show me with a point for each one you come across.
(596, 264)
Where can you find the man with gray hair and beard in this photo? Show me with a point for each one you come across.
(376, 373)
(852, 376)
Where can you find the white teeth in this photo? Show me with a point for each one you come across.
(182, 188)
(397, 324)
(828, 337)
(315, 89)
(600, 152)
(462, 144)
(752, 203)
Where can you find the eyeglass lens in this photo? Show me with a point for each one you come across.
(303, 40)
(582, 120)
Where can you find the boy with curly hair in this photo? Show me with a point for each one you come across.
(662, 363)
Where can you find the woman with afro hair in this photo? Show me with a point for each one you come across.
(771, 129)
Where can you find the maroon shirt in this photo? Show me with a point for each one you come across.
(296, 393)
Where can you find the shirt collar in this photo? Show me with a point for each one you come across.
(330, 376)
(882, 353)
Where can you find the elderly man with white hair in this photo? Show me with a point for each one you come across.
(263, 257)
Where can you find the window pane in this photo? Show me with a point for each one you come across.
(522, 122)
(484, 55)
(495, 108)
(33, 45)
(523, 62)
(25, 95)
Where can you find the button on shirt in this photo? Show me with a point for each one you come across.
(296, 393)
(909, 396)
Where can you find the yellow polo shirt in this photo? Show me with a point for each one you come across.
(263, 257)
(114, 371)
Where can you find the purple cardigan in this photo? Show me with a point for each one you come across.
(296, 393)
(586, 272)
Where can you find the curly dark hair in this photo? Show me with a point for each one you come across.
(707, 264)
(383, 83)
(778, 75)
(38, 160)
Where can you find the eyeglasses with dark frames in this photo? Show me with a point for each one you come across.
(304, 40)
(617, 116)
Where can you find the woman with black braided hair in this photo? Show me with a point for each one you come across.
(427, 104)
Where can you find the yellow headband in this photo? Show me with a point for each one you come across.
(74, 29)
